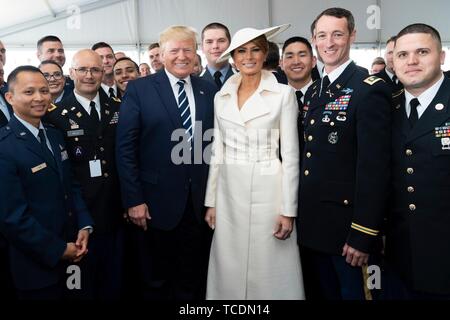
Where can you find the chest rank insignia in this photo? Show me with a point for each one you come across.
(340, 103)
(372, 80)
(116, 99)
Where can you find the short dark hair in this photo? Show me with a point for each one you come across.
(337, 13)
(43, 63)
(297, 39)
(391, 39)
(378, 60)
(49, 38)
(129, 59)
(217, 25)
(420, 28)
(101, 44)
(12, 78)
(153, 46)
(273, 56)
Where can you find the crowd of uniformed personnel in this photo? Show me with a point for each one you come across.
(87, 176)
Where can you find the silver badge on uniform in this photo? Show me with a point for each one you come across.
(333, 137)
(439, 107)
(445, 143)
(326, 119)
(341, 116)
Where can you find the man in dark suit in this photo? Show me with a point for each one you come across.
(88, 119)
(5, 108)
(163, 179)
(41, 209)
(388, 73)
(345, 167)
(418, 241)
(215, 40)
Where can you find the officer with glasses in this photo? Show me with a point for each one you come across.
(88, 119)
(56, 80)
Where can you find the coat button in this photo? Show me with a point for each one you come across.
(410, 189)
(409, 152)
(410, 170)
(332, 123)
(412, 207)
(102, 149)
(312, 121)
(106, 175)
(346, 202)
(103, 161)
(306, 173)
(310, 138)
(308, 154)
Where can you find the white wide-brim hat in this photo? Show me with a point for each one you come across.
(245, 35)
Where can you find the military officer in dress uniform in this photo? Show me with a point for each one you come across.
(388, 73)
(88, 119)
(42, 214)
(345, 167)
(418, 240)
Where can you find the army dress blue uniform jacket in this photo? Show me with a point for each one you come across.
(418, 237)
(344, 178)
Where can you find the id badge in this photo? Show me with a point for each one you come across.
(95, 168)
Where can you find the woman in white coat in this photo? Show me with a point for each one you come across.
(253, 180)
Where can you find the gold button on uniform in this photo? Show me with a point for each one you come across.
(410, 170)
(308, 154)
(103, 161)
(102, 149)
(106, 175)
(312, 121)
(410, 189)
(310, 138)
(346, 202)
(306, 172)
(332, 124)
(409, 152)
(412, 207)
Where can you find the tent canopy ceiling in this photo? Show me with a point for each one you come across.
(136, 22)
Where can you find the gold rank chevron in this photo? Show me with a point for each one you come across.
(364, 229)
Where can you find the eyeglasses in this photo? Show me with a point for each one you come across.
(56, 76)
(84, 71)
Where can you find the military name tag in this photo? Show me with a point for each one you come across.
(39, 167)
(75, 133)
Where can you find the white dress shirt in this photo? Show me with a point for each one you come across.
(85, 103)
(424, 98)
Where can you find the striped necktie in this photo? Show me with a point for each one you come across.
(183, 108)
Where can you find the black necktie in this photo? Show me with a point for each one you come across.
(217, 80)
(413, 116)
(299, 95)
(394, 79)
(48, 154)
(325, 84)
(94, 114)
(111, 93)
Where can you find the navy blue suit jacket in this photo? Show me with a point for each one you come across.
(41, 208)
(149, 115)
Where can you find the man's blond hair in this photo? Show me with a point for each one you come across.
(177, 33)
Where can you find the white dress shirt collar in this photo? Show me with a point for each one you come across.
(85, 103)
(425, 98)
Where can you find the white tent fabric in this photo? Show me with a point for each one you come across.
(138, 22)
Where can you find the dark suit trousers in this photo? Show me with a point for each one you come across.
(336, 279)
(173, 261)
